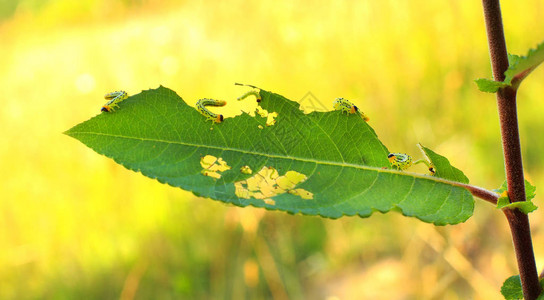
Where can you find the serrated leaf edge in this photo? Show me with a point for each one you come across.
(513, 76)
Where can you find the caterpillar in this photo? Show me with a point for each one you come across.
(115, 98)
(345, 105)
(254, 92)
(201, 107)
(402, 161)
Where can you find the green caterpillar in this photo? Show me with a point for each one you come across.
(402, 161)
(253, 92)
(210, 116)
(346, 106)
(115, 98)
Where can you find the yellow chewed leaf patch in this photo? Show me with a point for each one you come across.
(270, 116)
(262, 112)
(211, 174)
(267, 183)
(290, 180)
(269, 201)
(304, 194)
(212, 166)
(271, 119)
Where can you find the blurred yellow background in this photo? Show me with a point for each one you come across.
(75, 225)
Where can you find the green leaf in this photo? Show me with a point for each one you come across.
(519, 68)
(502, 188)
(526, 206)
(443, 167)
(511, 288)
(530, 191)
(513, 59)
(322, 163)
(489, 86)
(541, 296)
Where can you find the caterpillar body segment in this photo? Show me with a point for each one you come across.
(115, 98)
(345, 105)
(113, 95)
(429, 166)
(402, 161)
(254, 92)
(210, 116)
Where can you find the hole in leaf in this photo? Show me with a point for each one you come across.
(267, 183)
(212, 166)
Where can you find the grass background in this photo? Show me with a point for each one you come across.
(75, 225)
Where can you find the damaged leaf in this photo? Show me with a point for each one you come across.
(319, 163)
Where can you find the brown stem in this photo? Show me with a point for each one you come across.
(481, 193)
(506, 102)
(523, 245)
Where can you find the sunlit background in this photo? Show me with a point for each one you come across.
(75, 225)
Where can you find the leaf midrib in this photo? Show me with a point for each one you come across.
(309, 160)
